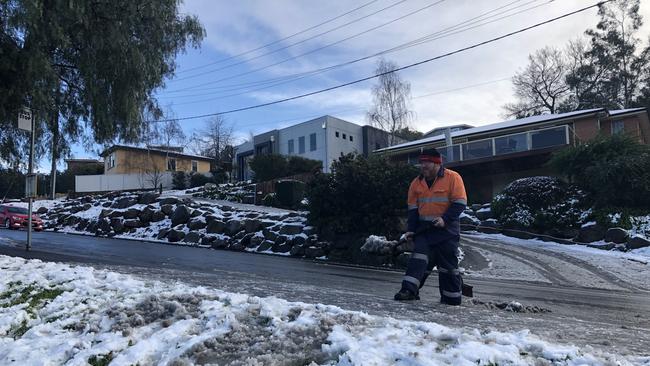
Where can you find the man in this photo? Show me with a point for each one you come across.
(436, 198)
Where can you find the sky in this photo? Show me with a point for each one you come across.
(234, 67)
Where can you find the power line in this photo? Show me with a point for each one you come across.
(492, 40)
(280, 40)
(297, 77)
(313, 50)
(445, 32)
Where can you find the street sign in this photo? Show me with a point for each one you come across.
(25, 119)
(31, 186)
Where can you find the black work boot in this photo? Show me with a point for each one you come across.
(406, 295)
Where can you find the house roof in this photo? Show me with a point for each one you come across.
(157, 151)
(509, 124)
(83, 161)
(466, 126)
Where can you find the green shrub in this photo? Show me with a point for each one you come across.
(289, 193)
(270, 200)
(199, 180)
(179, 180)
(273, 166)
(614, 170)
(543, 204)
(361, 196)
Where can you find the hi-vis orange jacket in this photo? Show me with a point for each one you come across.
(446, 198)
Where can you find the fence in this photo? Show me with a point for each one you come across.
(121, 182)
(264, 188)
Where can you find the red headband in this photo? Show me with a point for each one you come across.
(432, 159)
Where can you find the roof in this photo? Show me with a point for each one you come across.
(618, 112)
(463, 125)
(83, 161)
(496, 127)
(158, 151)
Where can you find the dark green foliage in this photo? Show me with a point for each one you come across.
(409, 134)
(12, 184)
(270, 200)
(289, 193)
(101, 360)
(361, 196)
(199, 180)
(273, 166)
(179, 180)
(614, 170)
(539, 203)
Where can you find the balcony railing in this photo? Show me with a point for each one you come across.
(503, 145)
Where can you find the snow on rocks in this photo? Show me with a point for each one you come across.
(184, 221)
(79, 315)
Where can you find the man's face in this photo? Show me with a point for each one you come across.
(429, 169)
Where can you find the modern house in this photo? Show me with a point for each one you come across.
(121, 159)
(325, 138)
(491, 156)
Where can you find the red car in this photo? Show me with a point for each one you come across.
(12, 217)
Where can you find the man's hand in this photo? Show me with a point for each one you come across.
(439, 222)
(407, 236)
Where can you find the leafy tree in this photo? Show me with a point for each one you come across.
(272, 166)
(391, 97)
(409, 134)
(88, 64)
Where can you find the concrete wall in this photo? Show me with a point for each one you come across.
(120, 182)
(136, 162)
(304, 129)
(338, 146)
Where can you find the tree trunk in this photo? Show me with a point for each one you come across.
(54, 126)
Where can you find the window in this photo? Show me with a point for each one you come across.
(171, 164)
(548, 138)
(301, 145)
(450, 154)
(111, 161)
(312, 142)
(511, 144)
(351, 139)
(344, 137)
(195, 166)
(337, 133)
(477, 149)
(291, 146)
(617, 127)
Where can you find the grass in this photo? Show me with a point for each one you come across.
(101, 360)
(30, 295)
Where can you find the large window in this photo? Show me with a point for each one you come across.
(171, 164)
(301, 145)
(450, 153)
(548, 138)
(291, 148)
(511, 144)
(195, 166)
(617, 127)
(477, 149)
(312, 142)
(111, 161)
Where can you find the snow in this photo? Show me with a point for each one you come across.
(378, 245)
(103, 314)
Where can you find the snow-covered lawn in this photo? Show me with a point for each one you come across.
(52, 314)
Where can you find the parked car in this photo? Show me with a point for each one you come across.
(12, 217)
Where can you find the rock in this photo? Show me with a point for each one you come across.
(309, 230)
(105, 213)
(297, 251)
(196, 213)
(162, 234)
(484, 214)
(637, 242)
(167, 209)
(281, 248)
(208, 239)
(169, 201)
(476, 207)
(269, 235)
(590, 233)
(616, 235)
(518, 234)
(42, 210)
(103, 226)
(75, 209)
(106, 204)
(265, 245)
(117, 225)
(620, 247)
(246, 240)
(158, 216)
(291, 229)
(252, 225)
(233, 227)
(192, 237)
(115, 214)
(219, 243)
(181, 215)
(81, 226)
(489, 227)
(216, 227)
(132, 223)
(469, 221)
(237, 247)
(196, 224)
(146, 215)
(86, 207)
(256, 240)
(131, 213)
(147, 198)
(124, 203)
(314, 252)
(280, 239)
(240, 235)
(175, 235)
(606, 246)
(298, 240)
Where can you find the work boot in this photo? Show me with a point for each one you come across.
(406, 295)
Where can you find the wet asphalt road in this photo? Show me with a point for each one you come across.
(613, 320)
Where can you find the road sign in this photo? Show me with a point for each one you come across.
(31, 186)
(25, 119)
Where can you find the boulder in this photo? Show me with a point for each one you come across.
(606, 246)
(637, 242)
(291, 229)
(75, 209)
(132, 223)
(105, 213)
(270, 235)
(216, 227)
(106, 204)
(236, 247)
(175, 235)
(81, 226)
(219, 243)
(489, 227)
(298, 240)
(280, 239)
(314, 252)
(233, 227)
(147, 198)
(131, 213)
(124, 202)
(158, 216)
(162, 234)
(86, 207)
(192, 237)
(115, 214)
(146, 215)
(196, 213)
(252, 225)
(169, 201)
(265, 245)
(167, 209)
(208, 239)
(616, 235)
(118, 225)
(246, 240)
(103, 226)
(181, 215)
(590, 233)
(256, 241)
(484, 214)
(196, 224)
(281, 248)
(297, 251)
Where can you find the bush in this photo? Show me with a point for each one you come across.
(270, 200)
(614, 170)
(543, 204)
(199, 180)
(289, 193)
(273, 166)
(360, 196)
(179, 180)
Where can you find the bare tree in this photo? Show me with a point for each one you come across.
(215, 139)
(541, 87)
(391, 101)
